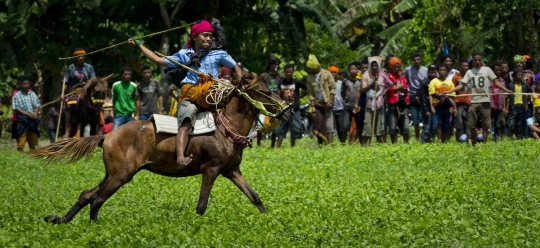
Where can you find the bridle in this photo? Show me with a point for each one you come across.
(260, 106)
(281, 106)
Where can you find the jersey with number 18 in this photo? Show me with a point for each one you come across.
(478, 81)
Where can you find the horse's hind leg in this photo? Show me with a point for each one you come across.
(84, 199)
(236, 177)
(107, 189)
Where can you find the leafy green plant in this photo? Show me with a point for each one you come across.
(339, 196)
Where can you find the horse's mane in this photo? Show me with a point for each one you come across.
(252, 80)
(99, 85)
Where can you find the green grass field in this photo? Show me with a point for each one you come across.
(404, 195)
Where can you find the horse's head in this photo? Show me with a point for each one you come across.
(96, 92)
(263, 99)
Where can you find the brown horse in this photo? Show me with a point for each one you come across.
(136, 146)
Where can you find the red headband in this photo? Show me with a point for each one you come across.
(225, 70)
(201, 27)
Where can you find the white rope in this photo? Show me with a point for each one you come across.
(218, 92)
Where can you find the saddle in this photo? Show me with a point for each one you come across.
(204, 123)
(72, 101)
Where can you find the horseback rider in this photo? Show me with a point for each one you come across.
(76, 74)
(200, 56)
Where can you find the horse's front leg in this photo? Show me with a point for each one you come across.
(209, 176)
(236, 177)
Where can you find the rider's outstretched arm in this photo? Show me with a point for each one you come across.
(149, 54)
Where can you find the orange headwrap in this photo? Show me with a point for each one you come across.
(79, 52)
(526, 57)
(393, 61)
(333, 68)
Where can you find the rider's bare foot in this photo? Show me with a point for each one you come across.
(184, 161)
(66, 136)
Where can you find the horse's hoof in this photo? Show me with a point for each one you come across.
(201, 211)
(52, 219)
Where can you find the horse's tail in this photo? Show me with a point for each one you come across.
(69, 149)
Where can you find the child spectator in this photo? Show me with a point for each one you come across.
(109, 125)
(52, 124)
(517, 104)
(440, 105)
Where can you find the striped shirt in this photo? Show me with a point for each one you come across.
(25, 101)
(210, 64)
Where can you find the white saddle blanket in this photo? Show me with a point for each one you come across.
(204, 123)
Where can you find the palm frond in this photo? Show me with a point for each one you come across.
(364, 50)
(394, 45)
(405, 5)
(330, 7)
(356, 12)
(318, 16)
(394, 29)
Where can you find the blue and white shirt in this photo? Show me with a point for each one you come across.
(210, 64)
(25, 101)
(74, 74)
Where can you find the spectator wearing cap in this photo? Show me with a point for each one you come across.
(415, 74)
(335, 71)
(397, 99)
(519, 62)
(321, 90)
(517, 103)
(225, 74)
(77, 73)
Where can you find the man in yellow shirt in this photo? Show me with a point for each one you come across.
(440, 105)
(517, 104)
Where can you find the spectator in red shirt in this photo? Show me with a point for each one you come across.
(397, 99)
(109, 124)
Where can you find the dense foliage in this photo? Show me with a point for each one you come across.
(33, 34)
(386, 195)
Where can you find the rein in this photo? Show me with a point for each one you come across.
(237, 137)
